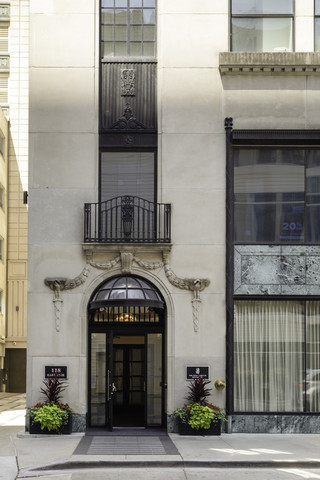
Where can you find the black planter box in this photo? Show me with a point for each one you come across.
(185, 429)
(35, 428)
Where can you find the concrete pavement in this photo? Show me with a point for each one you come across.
(27, 456)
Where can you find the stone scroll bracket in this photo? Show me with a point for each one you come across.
(57, 285)
(126, 258)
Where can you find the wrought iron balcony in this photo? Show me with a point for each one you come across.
(127, 219)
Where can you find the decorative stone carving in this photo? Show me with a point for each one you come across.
(126, 262)
(57, 285)
(128, 121)
(128, 77)
(127, 257)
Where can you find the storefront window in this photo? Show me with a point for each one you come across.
(277, 356)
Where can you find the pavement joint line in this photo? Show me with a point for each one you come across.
(76, 465)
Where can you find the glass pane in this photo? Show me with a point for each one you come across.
(107, 3)
(136, 368)
(154, 379)
(313, 195)
(311, 382)
(149, 15)
(120, 33)
(107, 33)
(149, 49)
(98, 379)
(136, 33)
(135, 49)
(317, 7)
(269, 223)
(317, 34)
(121, 3)
(262, 34)
(262, 6)
(121, 17)
(136, 16)
(136, 354)
(149, 33)
(136, 3)
(149, 3)
(120, 49)
(269, 195)
(269, 363)
(127, 173)
(107, 17)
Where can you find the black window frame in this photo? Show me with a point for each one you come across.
(128, 26)
(255, 138)
(260, 15)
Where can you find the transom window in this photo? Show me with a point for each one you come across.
(276, 195)
(262, 25)
(128, 28)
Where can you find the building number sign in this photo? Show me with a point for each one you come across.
(52, 372)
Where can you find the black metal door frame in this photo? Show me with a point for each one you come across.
(111, 332)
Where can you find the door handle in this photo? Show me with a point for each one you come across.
(108, 385)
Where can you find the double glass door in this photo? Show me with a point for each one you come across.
(126, 380)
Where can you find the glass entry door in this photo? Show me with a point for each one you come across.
(126, 380)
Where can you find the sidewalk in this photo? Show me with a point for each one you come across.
(23, 454)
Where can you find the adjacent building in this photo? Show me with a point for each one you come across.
(174, 208)
(14, 102)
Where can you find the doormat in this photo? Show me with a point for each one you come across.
(126, 432)
(121, 445)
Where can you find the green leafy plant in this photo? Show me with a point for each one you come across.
(201, 416)
(50, 416)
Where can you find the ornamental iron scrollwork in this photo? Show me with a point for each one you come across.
(128, 121)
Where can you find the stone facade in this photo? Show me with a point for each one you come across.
(198, 85)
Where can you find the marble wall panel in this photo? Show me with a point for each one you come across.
(274, 424)
(276, 270)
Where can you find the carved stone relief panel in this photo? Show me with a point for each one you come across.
(276, 270)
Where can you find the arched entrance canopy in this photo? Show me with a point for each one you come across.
(126, 291)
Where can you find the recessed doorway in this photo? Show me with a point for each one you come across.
(126, 361)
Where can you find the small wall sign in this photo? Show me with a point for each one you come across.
(51, 372)
(198, 372)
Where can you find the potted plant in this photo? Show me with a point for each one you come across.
(198, 416)
(51, 416)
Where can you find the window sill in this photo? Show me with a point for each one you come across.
(262, 63)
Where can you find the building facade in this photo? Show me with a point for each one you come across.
(173, 208)
(14, 102)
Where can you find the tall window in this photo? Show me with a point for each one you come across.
(127, 173)
(128, 28)
(317, 25)
(277, 356)
(276, 195)
(262, 25)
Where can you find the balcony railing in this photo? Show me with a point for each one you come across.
(127, 219)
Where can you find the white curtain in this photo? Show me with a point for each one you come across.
(269, 340)
(312, 383)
